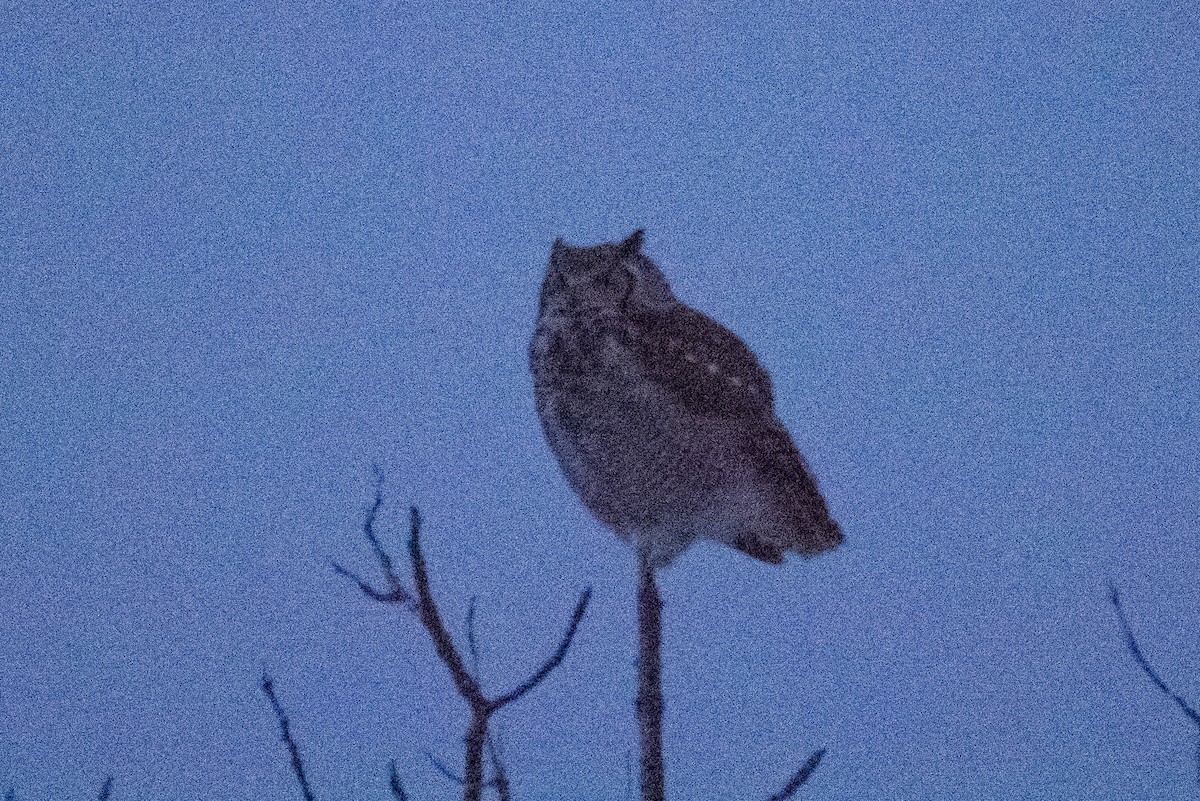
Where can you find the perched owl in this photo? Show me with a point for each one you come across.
(662, 419)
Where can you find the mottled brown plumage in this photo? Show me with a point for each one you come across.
(662, 420)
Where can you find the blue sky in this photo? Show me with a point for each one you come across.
(249, 251)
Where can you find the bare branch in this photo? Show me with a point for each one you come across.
(394, 595)
(500, 781)
(445, 770)
(394, 782)
(649, 701)
(431, 618)
(385, 560)
(395, 592)
(472, 644)
(800, 778)
(106, 788)
(465, 678)
(1144, 663)
(555, 660)
(285, 728)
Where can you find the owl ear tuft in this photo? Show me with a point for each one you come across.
(633, 244)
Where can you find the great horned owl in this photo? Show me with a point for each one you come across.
(662, 419)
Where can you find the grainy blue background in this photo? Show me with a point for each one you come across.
(246, 252)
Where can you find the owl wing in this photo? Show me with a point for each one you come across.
(810, 529)
(702, 364)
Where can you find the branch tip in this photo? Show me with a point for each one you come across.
(800, 777)
(1132, 644)
(268, 687)
(394, 782)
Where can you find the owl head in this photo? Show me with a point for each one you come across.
(610, 278)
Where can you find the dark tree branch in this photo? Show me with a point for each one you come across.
(106, 788)
(431, 618)
(286, 734)
(395, 592)
(473, 756)
(1132, 643)
(550, 664)
(394, 783)
(800, 778)
(500, 781)
(649, 703)
(482, 708)
(465, 678)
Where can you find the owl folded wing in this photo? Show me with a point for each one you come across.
(702, 364)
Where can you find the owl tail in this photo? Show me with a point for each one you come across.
(806, 539)
(760, 548)
(816, 537)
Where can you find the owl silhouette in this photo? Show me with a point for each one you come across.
(662, 420)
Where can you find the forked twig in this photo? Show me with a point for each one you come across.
(395, 592)
(482, 708)
(465, 679)
(500, 780)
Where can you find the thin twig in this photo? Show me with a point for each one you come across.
(503, 791)
(1144, 663)
(395, 592)
(800, 778)
(445, 770)
(466, 679)
(286, 733)
(559, 654)
(394, 782)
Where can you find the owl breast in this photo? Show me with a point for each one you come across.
(643, 465)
